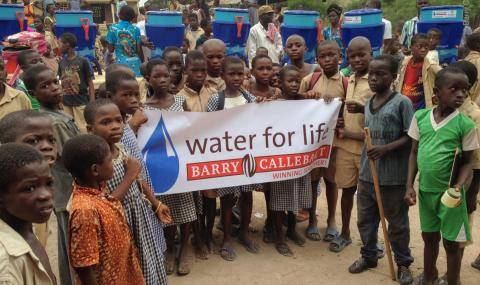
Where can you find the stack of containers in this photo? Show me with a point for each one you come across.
(232, 26)
(364, 22)
(448, 19)
(306, 24)
(79, 23)
(11, 20)
(164, 29)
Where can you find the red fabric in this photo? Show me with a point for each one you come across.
(413, 85)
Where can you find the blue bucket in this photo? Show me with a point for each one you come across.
(79, 32)
(451, 32)
(362, 18)
(300, 18)
(164, 18)
(164, 36)
(228, 33)
(442, 13)
(9, 11)
(373, 32)
(228, 15)
(72, 18)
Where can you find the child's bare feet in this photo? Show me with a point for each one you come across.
(170, 261)
(183, 267)
(294, 236)
(283, 249)
(201, 251)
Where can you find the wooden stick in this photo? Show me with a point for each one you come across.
(373, 170)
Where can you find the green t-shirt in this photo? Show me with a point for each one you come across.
(21, 86)
(438, 144)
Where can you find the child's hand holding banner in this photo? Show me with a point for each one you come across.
(254, 143)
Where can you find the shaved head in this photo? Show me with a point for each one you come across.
(213, 44)
(360, 43)
(296, 37)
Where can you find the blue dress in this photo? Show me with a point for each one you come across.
(125, 37)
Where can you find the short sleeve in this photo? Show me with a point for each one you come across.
(388, 30)
(137, 34)
(87, 70)
(470, 140)
(84, 232)
(406, 109)
(413, 131)
(304, 84)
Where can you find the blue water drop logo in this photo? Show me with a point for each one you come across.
(161, 159)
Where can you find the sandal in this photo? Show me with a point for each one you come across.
(249, 245)
(228, 253)
(476, 263)
(183, 268)
(284, 249)
(339, 243)
(313, 233)
(169, 263)
(443, 280)
(330, 234)
(420, 279)
(296, 238)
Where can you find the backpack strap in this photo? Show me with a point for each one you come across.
(247, 97)
(221, 100)
(314, 80)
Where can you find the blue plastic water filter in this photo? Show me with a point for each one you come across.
(300, 18)
(362, 18)
(9, 20)
(164, 36)
(232, 27)
(364, 22)
(164, 18)
(72, 18)
(79, 32)
(229, 15)
(442, 13)
(9, 11)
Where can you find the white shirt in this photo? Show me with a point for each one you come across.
(432, 55)
(234, 102)
(258, 38)
(387, 34)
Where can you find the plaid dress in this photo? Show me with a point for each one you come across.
(183, 206)
(291, 195)
(212, 106)
(146, 228)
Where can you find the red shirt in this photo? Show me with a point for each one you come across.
(413, 85)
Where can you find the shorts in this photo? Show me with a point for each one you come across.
(476, 159)
(349, 165)
(327, 173)
(452, 223)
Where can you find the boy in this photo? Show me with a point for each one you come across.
(473, 44)
(295, 48)
(261, 51)
(437, 134)
(11, 100)
(100, 243)
(26, 59)
(215, 51)
(417, 74)
(26, 195)
(389, 150)
(77, 80)
(193, 31)
(434, 37)
(174, 59)
(327, 84)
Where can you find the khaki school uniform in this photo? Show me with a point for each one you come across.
(474, 57)
(334, 87)
(197, 102)
(348, 150)
(13, 100)
(216, 82)
(471, 110)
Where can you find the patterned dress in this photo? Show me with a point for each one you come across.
(183, 206)
(125, 37)
(291, 195)
(144, 224)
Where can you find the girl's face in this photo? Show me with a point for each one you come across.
(234, 75)
(275, 81)
(108, 124)
(291, 83)
(334, 18)
(127, 96)
(39, 133)
(175, 63)
(263, 71)
(48, 90)
(159, 79)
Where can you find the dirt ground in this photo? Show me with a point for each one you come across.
(312, 264)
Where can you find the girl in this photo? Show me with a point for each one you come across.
(182, 205)
(334, 13)
(295, 48)
(231, 97)
(262, 70)
(289, 195)
(105, 120)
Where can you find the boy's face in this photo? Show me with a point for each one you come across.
(234, 75)
(39, 133)
(261, 51)
(30, 196)
(48, 90)
(215, 54)
(32, 60)
(295, 48)
(175, 63)
(104, 171)
(127, 96)
(64, 47)
(433, 40)
(380, 77)
(328, 57)
(453, 91)
(275, 80)
(263, 71)
(196, 73)
(420, 49)
(108, 124)
(359, 57)
(159, 79)
(291, 82)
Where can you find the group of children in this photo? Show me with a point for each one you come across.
(113, 230)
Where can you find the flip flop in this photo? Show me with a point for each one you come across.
(284, 249)
(380, 251)
(330, 234)
(249, 245)
(228, 253)
(476, 263)
(313, 233)
(183, 268)
(339, 243)
(169, 266)
(296, 238)
(443, 281)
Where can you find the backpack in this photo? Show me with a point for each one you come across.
(316, 77)
(221, 99)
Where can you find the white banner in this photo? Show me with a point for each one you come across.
(254, 143)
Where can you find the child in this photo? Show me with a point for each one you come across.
(173, 58)
(123, 90)
(182, 206)
(215, 51)
(247, 79)
(417, 74)
(434, 37)
(437, 134)
(289, 195)
(389, 151)
(261, 51)
(295, 48)
(327, 84)
(11, 100)
(143, 85)
(206, 26)
(193, 31)
(473, 44)
(350, 137)
(101, 248)
(23, 259)
(27, 59)
(232, 97)
(262, 70)
(77, 80)
(50, 59)
(275, 81)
